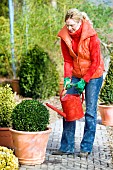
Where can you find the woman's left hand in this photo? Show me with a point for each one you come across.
(80, 85)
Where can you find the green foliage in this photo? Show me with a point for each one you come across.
(3, 70)
(7, 104)
(30, 115)
(4, 8)
(38, 75)
(106, 93)
(38, 22)
(4, 35)
(7, 159)
(5, 51)
(101, 17)
(5, 66)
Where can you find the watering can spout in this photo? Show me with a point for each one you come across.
(57, 110)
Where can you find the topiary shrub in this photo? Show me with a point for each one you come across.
(106, 93)
(7, 104)
(38, 75)
(30, 115)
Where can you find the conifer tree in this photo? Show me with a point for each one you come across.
(106, 93)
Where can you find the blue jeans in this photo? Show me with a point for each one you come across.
(68, 135)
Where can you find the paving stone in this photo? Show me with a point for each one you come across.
(21, 168)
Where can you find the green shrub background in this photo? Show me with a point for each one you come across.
(39, 77)
(37, 22)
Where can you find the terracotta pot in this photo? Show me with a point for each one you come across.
(15, 85)
(106, 113)
(6, 138)
(30, 147)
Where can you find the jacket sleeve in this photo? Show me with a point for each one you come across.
(94, 56)
(68, 61)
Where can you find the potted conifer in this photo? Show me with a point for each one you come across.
(7, 104)
(30, 133)
(106, 97)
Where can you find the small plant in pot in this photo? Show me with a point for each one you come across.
(7, 104)
(106, 97)
(30, 133)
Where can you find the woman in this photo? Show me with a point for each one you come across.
(83, 66)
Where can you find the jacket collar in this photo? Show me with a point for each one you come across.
(87, 31)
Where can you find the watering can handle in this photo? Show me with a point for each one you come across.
(64, 92)
(82, 97)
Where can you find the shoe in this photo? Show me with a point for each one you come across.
(62, 153)
(83, 154)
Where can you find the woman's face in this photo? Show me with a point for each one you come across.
(73, 25)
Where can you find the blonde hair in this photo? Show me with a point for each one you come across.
(76, 15)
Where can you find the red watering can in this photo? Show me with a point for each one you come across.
(71, 105)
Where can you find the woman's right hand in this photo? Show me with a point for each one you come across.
(67, 83)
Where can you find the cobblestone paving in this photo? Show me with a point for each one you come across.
(100, 159)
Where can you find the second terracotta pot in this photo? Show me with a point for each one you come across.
(6, 138)
(106, 113)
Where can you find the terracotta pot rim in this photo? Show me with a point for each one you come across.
(13, 79)
(4, 128)
(24, 132)
(105, 105)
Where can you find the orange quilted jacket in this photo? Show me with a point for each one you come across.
(82, 62)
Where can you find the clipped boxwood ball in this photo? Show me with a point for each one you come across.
(30, 115)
